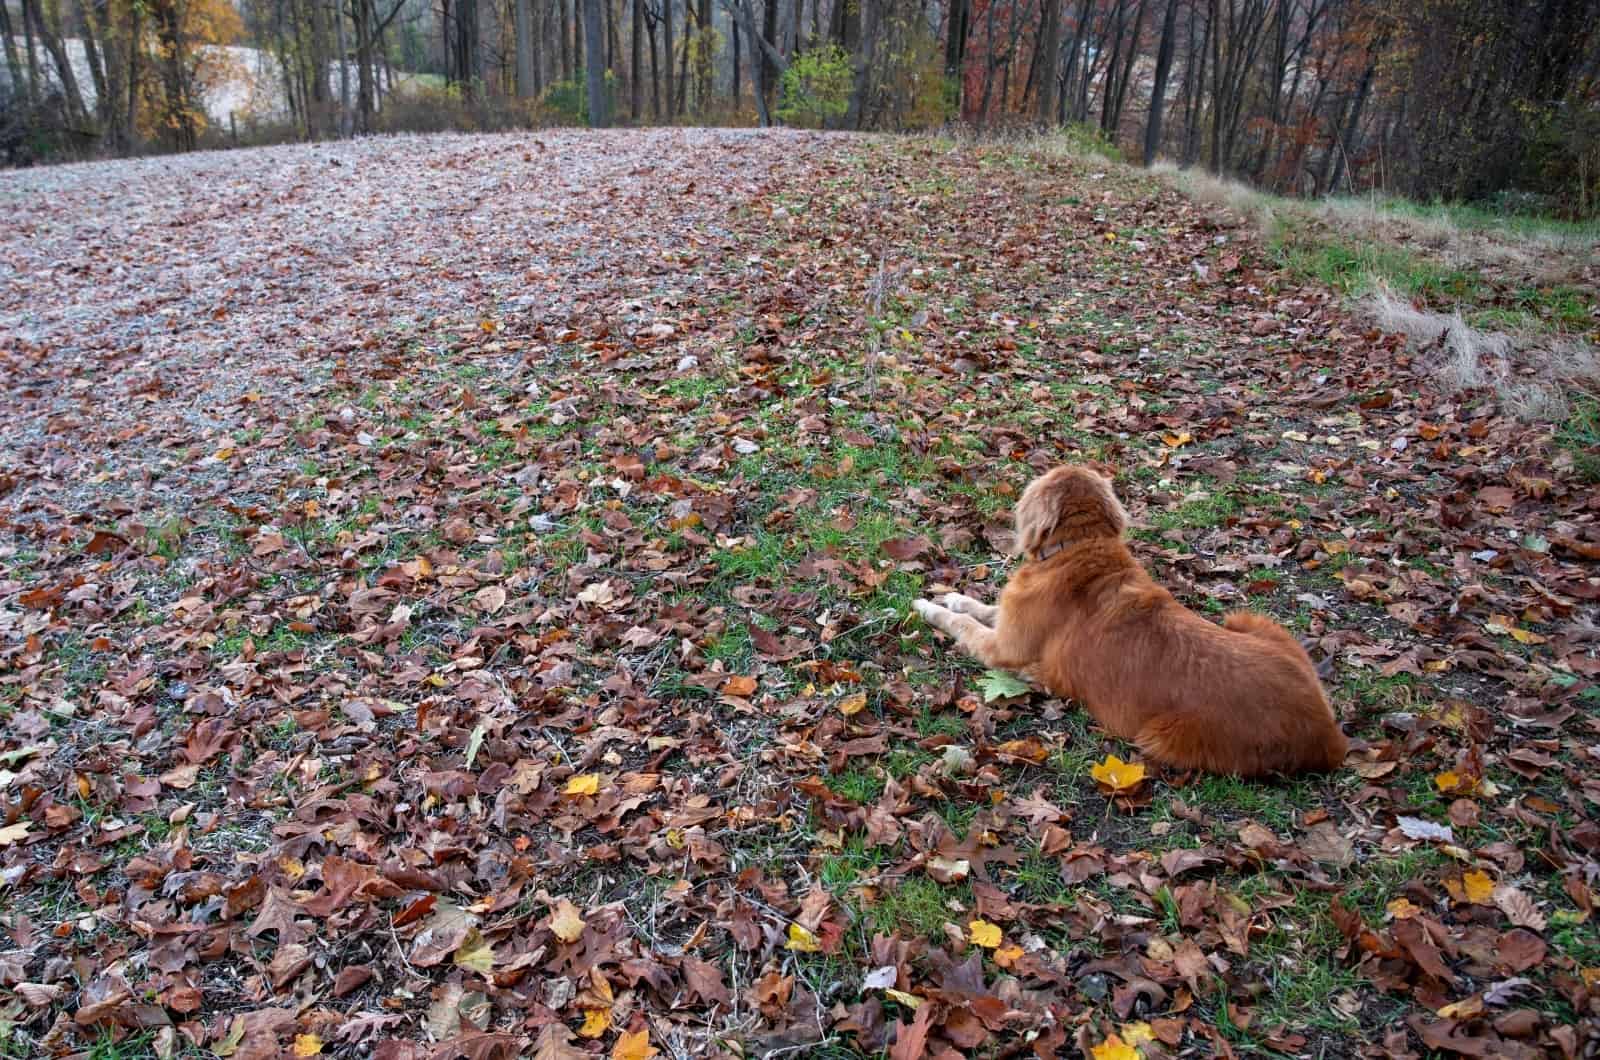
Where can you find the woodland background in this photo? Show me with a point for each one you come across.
(1462, 100)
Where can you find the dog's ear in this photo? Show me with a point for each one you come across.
(1035, 518)
(1103, 469)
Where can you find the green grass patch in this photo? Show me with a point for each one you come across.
(1579, 435)
(858, 785)
(1355, 268)
(920, 906)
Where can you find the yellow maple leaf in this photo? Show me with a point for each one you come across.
(1451, 782)
(566, 922)
(802, 940)
(596, 1022)
(1137, 1034)
(307, 1045)
(633, 1045)
(1478, 887)
(1114, 1048)
(475, 954)
(850, 706)
(583, 784)
(1177, 440)
(1006, 956)
(1116, 775)
(982, 933)
(1401, 908)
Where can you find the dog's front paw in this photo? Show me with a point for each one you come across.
(957, 602)
(926, 608)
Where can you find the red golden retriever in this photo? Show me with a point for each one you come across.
(1084, 617)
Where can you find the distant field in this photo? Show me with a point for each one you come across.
(245, 83)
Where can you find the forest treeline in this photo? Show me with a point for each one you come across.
(1431, 99)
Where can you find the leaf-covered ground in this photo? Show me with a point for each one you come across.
(456, 602)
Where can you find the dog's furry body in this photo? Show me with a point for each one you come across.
(1084, 617)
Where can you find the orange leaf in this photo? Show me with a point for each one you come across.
(738, 685)
(633, 1045)
(1478, 887)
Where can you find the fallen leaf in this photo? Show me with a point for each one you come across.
(633, 1045)
(582, 784)
(1520, 909)
(802, 940)
(1418, 828)
(1117, 776)
(596, 1022)
(1114, 1048)
(997, 684)
(475, 954)
(982, 933)
(565, 922)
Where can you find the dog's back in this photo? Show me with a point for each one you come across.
(1238, 698)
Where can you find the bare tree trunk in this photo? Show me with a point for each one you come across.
(1353, 123)
(655, 70)
(611, 34)
(566, 41)
(1127, 69)
(668, 57)
(50, 36)
(522, 19)
(769, 30)
(14, 65)
(1158, 93)
(636, 86)
(705, 59)
(988, 64)
(34, 79)
(344, 68)
(870, 18)
(594, 63)
(740, 11)
(681, 104)
(754, 74)
(366, 93)
(1047, 59)
(91, 54)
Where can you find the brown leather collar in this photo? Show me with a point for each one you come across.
(1048, 551)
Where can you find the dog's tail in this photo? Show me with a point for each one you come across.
(1252, 624)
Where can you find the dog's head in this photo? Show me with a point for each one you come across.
(1073, 502)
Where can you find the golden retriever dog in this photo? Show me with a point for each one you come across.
(1082, 615)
